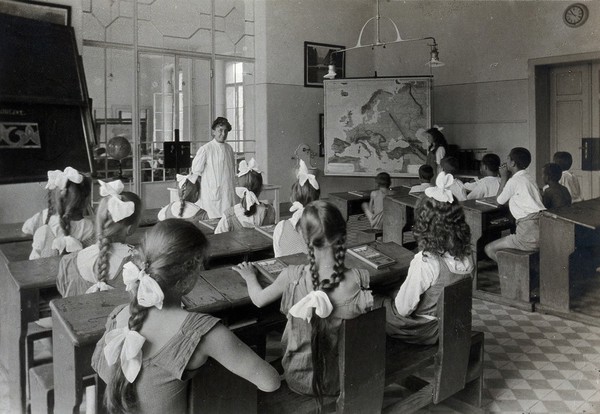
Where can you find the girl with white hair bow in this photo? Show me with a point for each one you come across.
(249, 212)
(99, 267)
(186, 208)
(287, 237)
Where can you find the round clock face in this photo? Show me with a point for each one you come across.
(575, 15)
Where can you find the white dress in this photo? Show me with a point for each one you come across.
(215, 163)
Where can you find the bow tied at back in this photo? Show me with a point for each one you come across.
(149, 292)
(117, 208)
(245, 167)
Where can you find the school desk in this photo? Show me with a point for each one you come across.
(15, 251)
(11, 232)
(569, 245)
(350, 202)
(149, 217)
(397, 216)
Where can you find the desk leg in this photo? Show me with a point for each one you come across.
(557, 244)
(68, 380)
(394, 221)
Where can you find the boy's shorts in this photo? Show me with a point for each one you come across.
(527, 236)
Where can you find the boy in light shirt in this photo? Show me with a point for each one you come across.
(489, 184)
(524, 201)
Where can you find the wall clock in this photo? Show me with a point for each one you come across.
(575, 15)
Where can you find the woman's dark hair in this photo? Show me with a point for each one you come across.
(440, 228)
(322, 224)
(170, 252)
(107, 229)
(304, 194)
(439, 140)
(72, 201)
(221, 121)
(252, 181)
(189, 191)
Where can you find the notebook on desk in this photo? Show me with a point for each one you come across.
(359, 193)
(371, 256)
(270, 268)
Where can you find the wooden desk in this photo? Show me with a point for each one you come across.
(569, 242)
(350, 204)
(11, 232)
(15, 251)
(397, 216)
(149, 217)
(240, 243)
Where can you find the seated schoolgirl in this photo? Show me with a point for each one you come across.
(100, 266)
(152, 346)
(68, 230)
(444, 256)
(249, 212)
(41, 217)
(316, 298)
(287, 237)
(185, 208)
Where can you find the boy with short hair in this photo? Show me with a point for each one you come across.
(450, 166)
(374, 210)
(565, 160)
(489, 184)
(555, 195)
(425, 176)
(524, 201)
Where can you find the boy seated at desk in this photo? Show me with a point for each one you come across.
(489, 184)
(555, 195)
(425, 176)
(374, 210)
(524, 201)
(564, 159)
(450, 166)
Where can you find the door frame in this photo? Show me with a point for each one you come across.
(538, 74)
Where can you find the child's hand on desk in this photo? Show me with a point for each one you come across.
(246, 270)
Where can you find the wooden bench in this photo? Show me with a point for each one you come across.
(361, 368)
(457, 359)
(519, 274)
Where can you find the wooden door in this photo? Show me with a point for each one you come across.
(595, 112)
(571, 116)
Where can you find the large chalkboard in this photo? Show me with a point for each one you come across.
(45, 120)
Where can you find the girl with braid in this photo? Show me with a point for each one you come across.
(444, 256)
(68, 230)
(99, 267)
(185, 208)
(41, 217)
(315, 298)
(152, 346)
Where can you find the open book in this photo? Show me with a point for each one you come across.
(211, 224)
(371, 256)
(266, 230)
(270, 268)
(488, 201)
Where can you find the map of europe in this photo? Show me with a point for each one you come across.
(370, 125)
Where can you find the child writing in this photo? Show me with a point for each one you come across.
(425, 176)
(444, 256)
(185, 208)
(40, 218)
(316, 298)
(374, 210)
(437, 147)
(152, 346)
(287, 237)
(565, 160)
(555, 195)
(68, 230)
(249, 212)
(524, 201)
(450, 166)
(100, 266)
(489, 184)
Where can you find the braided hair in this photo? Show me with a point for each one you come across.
(252, 181)
(170, 253)
(51, 210)
(188, 192)
(322, 224)
(72, 202)
(109, 231)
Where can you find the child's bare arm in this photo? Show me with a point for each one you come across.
(259, 296)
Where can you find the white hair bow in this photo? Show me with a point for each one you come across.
(52, 177)
(317, 300)
(303, 175)
(246, 167)
(251, 199)
(149, 292)
(191, 177)
(69, 174)
(99, 287)
(297, 208)
(117, 208)
(439, 128)
(127, 345)
(440, 192)
(68, 243)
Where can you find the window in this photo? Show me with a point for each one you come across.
(234, 103)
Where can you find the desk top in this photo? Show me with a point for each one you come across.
(482, 208)
(149, 217)
(39, 273)
(584, 213)
(15, 251)
(404, 199)
(11, 232)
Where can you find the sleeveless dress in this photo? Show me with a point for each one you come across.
(297, 362)
(162, 384)
(76, 271)
(421, 326)
(287, 240)
(82, 230)
(234, 218)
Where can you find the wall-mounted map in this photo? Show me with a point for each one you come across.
(370, 125)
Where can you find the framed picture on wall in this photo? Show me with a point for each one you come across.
(49, 12)
(317, 58)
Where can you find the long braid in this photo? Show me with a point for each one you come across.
(65, 216)
(104, 245)
(182, 195)
(50, 196)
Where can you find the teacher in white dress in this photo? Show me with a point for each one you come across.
(215, 163)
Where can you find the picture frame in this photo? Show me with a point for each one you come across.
(317, 57)
(321, 135)
(49, 12)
